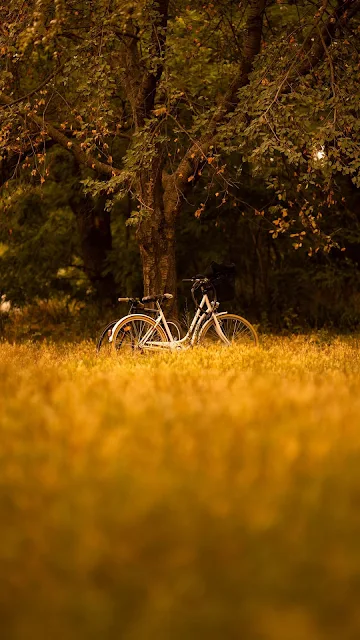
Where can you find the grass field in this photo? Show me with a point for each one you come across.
(201, 495)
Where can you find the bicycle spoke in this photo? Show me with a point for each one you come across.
(235, 329)
(136, 335)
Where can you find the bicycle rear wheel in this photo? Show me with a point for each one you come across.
(131, 331)
(236, 329)
(103, 345)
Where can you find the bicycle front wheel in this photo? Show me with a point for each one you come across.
(236, 329)
(131, 331)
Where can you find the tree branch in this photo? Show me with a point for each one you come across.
(81, 156)
(251, 48)
(345, 10)
(10, 164)
(38, 88)
(179, 180)
(140, 83)
(331, 67)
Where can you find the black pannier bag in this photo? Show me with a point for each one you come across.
(222, 277)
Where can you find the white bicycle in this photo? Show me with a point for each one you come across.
(138, 332)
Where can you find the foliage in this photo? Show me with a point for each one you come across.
(39, 246)
(258, 137)
(207, 39)
(37, 227)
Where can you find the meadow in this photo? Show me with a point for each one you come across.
(211, 494)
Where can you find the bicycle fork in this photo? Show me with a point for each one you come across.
(219, 331)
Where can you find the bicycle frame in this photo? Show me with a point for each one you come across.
(205, 309)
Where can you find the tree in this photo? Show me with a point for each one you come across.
(183, 89)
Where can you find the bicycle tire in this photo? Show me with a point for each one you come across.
(237, 329)
(103, 340)
(132, 329)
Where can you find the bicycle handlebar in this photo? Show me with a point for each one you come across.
(197, 278)
(199, 281)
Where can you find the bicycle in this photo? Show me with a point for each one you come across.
(103, 343)
(138, 332)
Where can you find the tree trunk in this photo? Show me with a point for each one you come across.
(93, 223)
(96, 242)
(156, 237)
(156, 232)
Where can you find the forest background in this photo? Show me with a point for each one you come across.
(141, 140)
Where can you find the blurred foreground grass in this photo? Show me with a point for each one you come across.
(211, 494)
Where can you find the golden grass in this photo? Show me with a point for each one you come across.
(210, 494)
